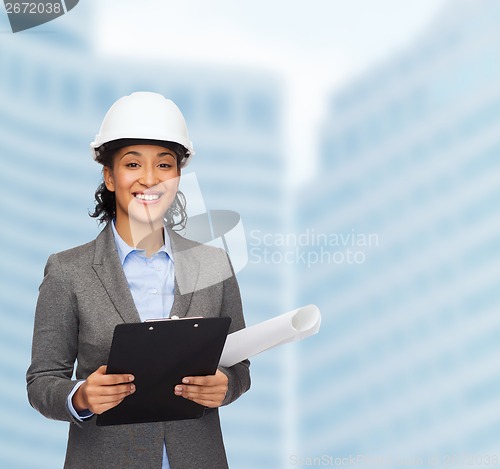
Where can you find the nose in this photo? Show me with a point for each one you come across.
(148, 177)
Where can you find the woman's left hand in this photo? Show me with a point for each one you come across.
(208, 391)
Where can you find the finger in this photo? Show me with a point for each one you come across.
(215, 398)
(201, 390)
(100, 408)
(210, 380)
(107, 401)
(198, 380)
(112, 380)
(118, 379)
(199, 395)
(113, 398)
(111, 390)
(100, 376)
(99, 404)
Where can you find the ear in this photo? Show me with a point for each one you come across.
(108, 179)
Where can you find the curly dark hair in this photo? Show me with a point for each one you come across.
(105, 201)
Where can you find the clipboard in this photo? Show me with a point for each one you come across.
(159, 354)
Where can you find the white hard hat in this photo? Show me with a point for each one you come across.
(143, 116)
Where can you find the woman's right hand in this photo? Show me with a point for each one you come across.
(101, 392)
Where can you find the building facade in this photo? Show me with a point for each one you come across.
(402, 236)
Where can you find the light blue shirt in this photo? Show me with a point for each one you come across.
(151, 282)
(150, 279)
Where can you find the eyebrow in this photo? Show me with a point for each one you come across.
(137, 153)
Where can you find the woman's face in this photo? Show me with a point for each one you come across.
(144, 179)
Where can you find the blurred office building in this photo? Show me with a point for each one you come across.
(55, 90)
(401, 252)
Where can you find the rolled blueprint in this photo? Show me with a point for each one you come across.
(289, 327)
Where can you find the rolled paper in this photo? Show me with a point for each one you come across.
(289, 327)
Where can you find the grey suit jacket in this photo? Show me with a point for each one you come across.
(83, 296)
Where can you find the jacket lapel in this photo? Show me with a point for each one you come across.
(186, 267)
(108, 268)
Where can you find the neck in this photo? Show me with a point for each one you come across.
(141, 236)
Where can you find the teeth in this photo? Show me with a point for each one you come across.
(147, 196)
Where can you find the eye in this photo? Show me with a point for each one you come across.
(132, 165)
(165, 165)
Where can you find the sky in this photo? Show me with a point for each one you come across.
(318, 46)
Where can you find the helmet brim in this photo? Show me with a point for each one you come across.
(127, 142)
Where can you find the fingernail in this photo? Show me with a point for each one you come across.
(131, 378)
(185, 380)
(178, 389)
(132, 388)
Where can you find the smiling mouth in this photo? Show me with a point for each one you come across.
(147, 197)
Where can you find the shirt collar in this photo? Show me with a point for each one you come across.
(124, 249)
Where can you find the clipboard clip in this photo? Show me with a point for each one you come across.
(173, 318)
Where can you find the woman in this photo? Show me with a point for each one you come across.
(137, 268)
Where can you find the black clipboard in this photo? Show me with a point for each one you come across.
(159, 354)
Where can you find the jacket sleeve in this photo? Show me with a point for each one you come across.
(54, 348)
(239, 374)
